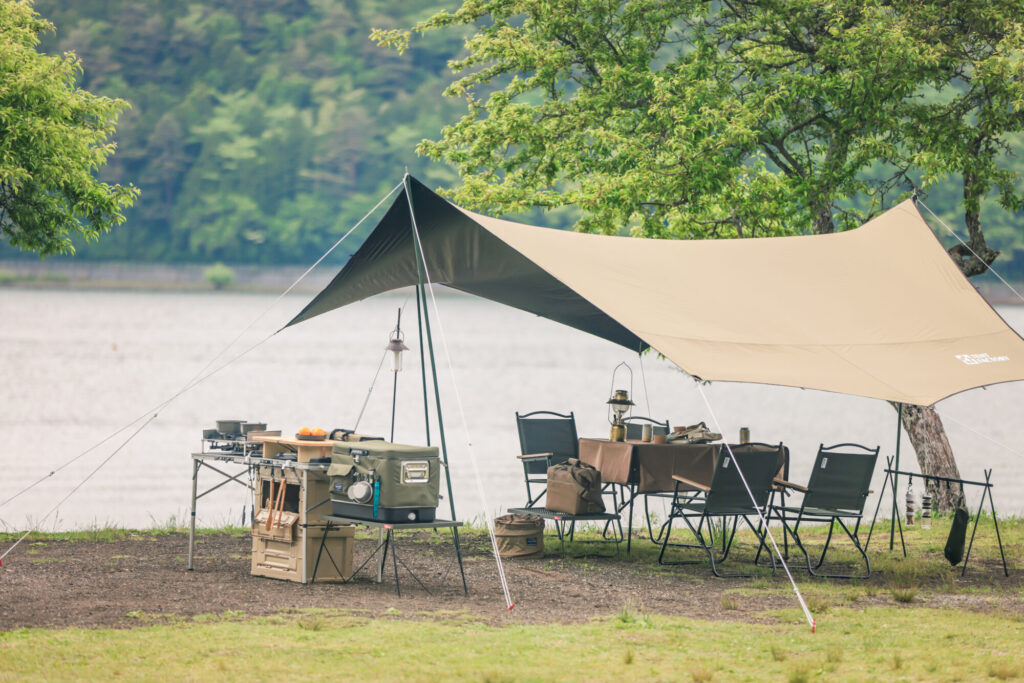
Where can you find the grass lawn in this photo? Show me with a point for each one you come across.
(871, 644)
(905, 623)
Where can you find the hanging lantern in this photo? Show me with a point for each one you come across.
(618, 405)
(396, 346)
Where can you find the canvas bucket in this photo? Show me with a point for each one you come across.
(519, 535)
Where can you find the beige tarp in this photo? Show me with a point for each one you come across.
(880, 311)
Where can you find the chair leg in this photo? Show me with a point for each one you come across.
(728, 546)
(677, 512)
(761, 538)
(727, 539)
(828, 540)
(650, 529)
(674, 510)
(666, 531)
(762, 534)
(856, 544)
(530, 499)
(794, 531)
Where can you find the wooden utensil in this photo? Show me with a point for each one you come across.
(280, 503)
(270, 507)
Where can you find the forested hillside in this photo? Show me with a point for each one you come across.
(261, 130)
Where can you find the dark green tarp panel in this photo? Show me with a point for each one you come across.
(460, 254)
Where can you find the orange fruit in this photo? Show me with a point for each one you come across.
(319, 432)
(305, 431)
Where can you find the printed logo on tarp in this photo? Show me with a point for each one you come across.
(979, 358)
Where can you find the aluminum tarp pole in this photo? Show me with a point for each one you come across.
(430, 349)
(423, 363)
(895, 512)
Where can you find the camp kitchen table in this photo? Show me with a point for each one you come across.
(640, 467)
(387, 544)
(305, 472)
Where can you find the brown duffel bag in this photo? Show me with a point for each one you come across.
(519, 535)
(574, 487)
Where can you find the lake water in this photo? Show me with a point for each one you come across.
(79, 365)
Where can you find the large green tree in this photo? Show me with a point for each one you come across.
(737, 118)
(260, 131)
(54, 137)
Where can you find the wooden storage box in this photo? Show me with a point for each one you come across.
(278, 558)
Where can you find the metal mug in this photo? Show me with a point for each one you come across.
(618, 432)
(744, 434)
(647, 431)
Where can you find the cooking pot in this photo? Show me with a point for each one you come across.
(229, 426)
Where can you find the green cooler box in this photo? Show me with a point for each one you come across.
(386, 482)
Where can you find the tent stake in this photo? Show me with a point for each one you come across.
(430, 347)
(895, 512)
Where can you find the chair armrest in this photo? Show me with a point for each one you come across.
(535, 456)
(691, 483)
(789, 485)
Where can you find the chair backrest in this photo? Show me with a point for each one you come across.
(635, 426)
(760, 463)
(841, 477)
(544, 431)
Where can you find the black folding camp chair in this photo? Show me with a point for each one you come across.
(727, 496)
(836, 491)
(546, 438)
(635, 427)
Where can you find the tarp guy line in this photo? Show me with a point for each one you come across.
(968, 248)
(156, 409)
(78, 486)
(764, 522)
(643, 376)
(1012, 450)
(462, 412)
(373, 382)
(196, 379)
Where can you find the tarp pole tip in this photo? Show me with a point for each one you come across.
(511, 607)
(814, 624)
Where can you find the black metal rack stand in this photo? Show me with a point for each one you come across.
(387, 544)
(891, 475)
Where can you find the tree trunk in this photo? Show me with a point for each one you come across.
(934, 455)
(974, 258)
(823, 221)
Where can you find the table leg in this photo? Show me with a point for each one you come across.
(323, 541)
(394, 560)
(192, 518)
(458, 554)
(383, 557)
(629, 526)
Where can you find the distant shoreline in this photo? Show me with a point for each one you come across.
(162, 277)
(257, 279)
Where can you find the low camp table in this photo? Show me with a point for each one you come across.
(388, 544)
(643, 468)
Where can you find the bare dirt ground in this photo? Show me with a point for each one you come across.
(123, 583)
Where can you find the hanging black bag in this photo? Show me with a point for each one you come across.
(954, 551)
